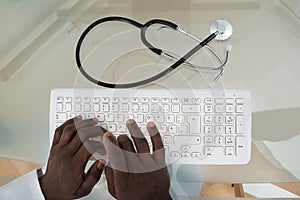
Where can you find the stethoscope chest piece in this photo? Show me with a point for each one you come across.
(223, 27)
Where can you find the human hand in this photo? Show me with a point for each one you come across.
(137, 174)
(65, 177)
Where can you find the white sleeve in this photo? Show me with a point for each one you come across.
(24, 187)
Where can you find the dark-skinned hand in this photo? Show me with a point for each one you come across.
(65, 177)
(133, 172)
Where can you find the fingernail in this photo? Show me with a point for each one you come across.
(130, 121)
(108, 134)
(96, 119)
(151, 124)
(100, 165)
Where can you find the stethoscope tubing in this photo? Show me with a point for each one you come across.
(143, 28)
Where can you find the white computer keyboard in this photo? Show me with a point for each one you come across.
(198, 126)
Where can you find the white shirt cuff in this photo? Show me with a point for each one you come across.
(24, 187)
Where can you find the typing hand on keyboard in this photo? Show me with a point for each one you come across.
(68, 159)
(135, 173)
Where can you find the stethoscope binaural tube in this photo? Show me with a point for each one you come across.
(143, 28)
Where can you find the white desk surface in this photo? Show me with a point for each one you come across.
(266, 46)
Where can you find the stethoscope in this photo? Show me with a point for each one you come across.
(220, 30)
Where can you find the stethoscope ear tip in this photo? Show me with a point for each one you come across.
(229, 47)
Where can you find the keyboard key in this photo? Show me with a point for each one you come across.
(180, 119)
(219, 119)
(175, 154)
(229, 119)
(86, 108)
(167, 139)
(240, 101)
(172, 129)
(229, 151)
(208, 140)
(229, 140)
(59, 107)
(219, 140)
(208, 100)
(170, 119)
(182, 129)
(61, 117)
(229, 108)
(208, 108)
(187, 139)
(239, 109)
(115, 100)
(185, 148)
(122, 128)
(175, 108)
(145, 100)
(208, 119)
(134, 108)
(103, 108)
(219, 100)
(215, 151)
(114, 108)
(196, 100)
(229, 101)
(144, 108)
(59, 99)
(185, 155)
(240, 146)
(195, 155)
(165, 108)
(96, 99)
(155, 100)
(100, 117)
(229, 129)
(124, 108)
(162, 128)
(68, 107)
(208, 129)
(191, 108)
(139, 118)
(240, 124)
(175, 100)
(109, 118)
(186, 100)
(134, 100)
(105, 99)
(219, 108)
(219, 129)
(96, 107)
(165, 100)
(195, 124)
(159, 118)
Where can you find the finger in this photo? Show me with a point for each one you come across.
(59, 130)
(156, 140)
(110, 180)
(116, 157)
(70, 130)
(133, 161)
(138, 137)
(157, 143)
(85, 152)
(91, 178)
(125, 143)
(83, 135)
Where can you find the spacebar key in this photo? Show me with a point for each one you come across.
(187, 139)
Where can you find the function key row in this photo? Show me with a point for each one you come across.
(150, 100)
